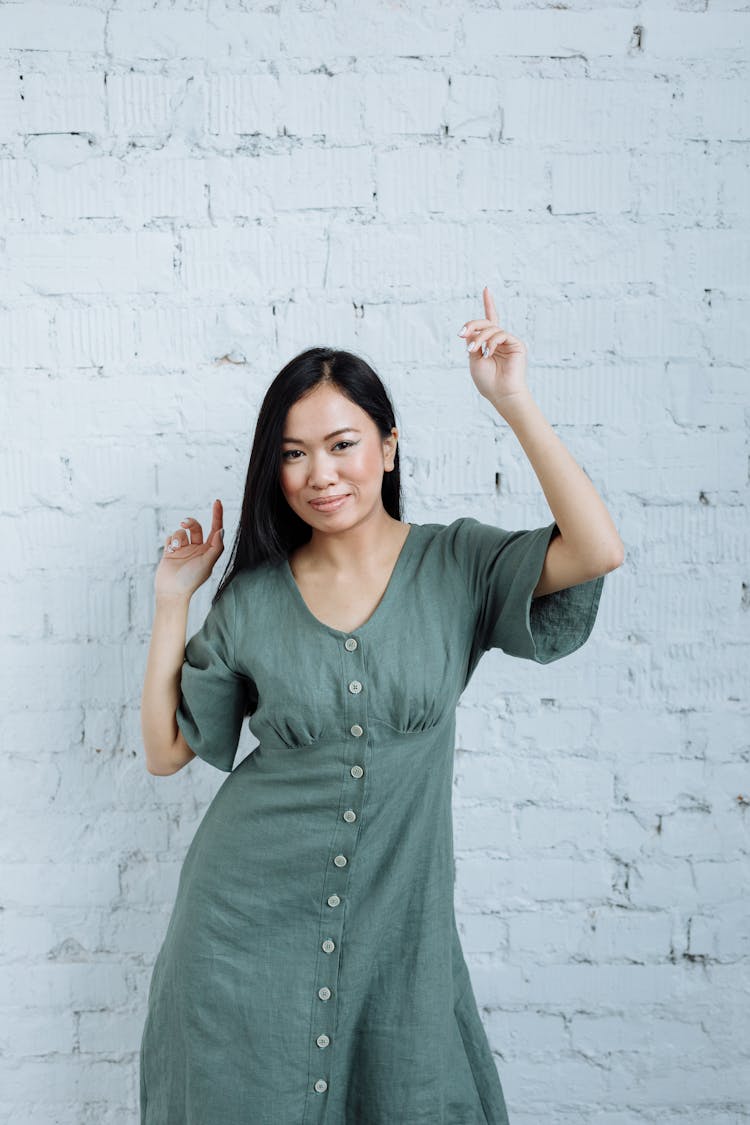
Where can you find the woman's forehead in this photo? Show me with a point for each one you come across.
(323, 410)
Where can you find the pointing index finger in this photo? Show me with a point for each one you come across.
(217, 518)
(489, 304)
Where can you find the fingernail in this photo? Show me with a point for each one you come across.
(471, 346)
(463, 331)
(221, 533)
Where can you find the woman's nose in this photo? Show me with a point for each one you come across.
(321, 471)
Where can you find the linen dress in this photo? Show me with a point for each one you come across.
(312, 972)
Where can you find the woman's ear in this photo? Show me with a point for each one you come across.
(389, 450)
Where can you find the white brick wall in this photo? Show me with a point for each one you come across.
(190, 194)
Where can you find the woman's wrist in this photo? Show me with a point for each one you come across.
(172, 605)
(515, 403)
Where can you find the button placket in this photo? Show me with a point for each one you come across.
(342, 851)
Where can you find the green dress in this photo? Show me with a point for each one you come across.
(312, 972)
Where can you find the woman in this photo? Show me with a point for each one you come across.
(312, 970)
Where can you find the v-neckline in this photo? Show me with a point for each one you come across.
(387, 593)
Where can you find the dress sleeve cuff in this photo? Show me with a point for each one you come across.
(553, 625)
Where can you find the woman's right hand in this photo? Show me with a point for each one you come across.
(185, 567)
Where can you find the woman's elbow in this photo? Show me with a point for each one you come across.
(617, 557)
(161, 769)
(165, 764)
(610, 558)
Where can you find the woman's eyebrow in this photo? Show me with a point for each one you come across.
(345, 430)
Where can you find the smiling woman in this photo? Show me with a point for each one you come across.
(335, 486)
(312, 969)
(326, 429)
(325, 471)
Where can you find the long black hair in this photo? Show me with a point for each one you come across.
(269, 530)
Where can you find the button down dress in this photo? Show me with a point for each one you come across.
(312, 972)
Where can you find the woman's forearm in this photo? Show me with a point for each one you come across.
(585, 524)
(165, 747)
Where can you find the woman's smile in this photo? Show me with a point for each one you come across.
(332, 504)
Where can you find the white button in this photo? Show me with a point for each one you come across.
(350, 644)
(340, 860)
(350, 816)
(355, 687)
(357, 730)
(321, 1085)
(324, 993)
(356, 771)
(328, 946)
(322, 1040)
(333, 900)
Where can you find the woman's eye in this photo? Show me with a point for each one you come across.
(287, 454)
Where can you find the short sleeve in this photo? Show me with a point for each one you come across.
(213, 695)
(501, 570)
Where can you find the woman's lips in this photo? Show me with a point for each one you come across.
(331, 505)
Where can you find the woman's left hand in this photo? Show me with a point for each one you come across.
(497, 360)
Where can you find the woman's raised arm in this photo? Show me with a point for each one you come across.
(588, 544)
(185, 565)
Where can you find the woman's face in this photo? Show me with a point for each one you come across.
(332, 448)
